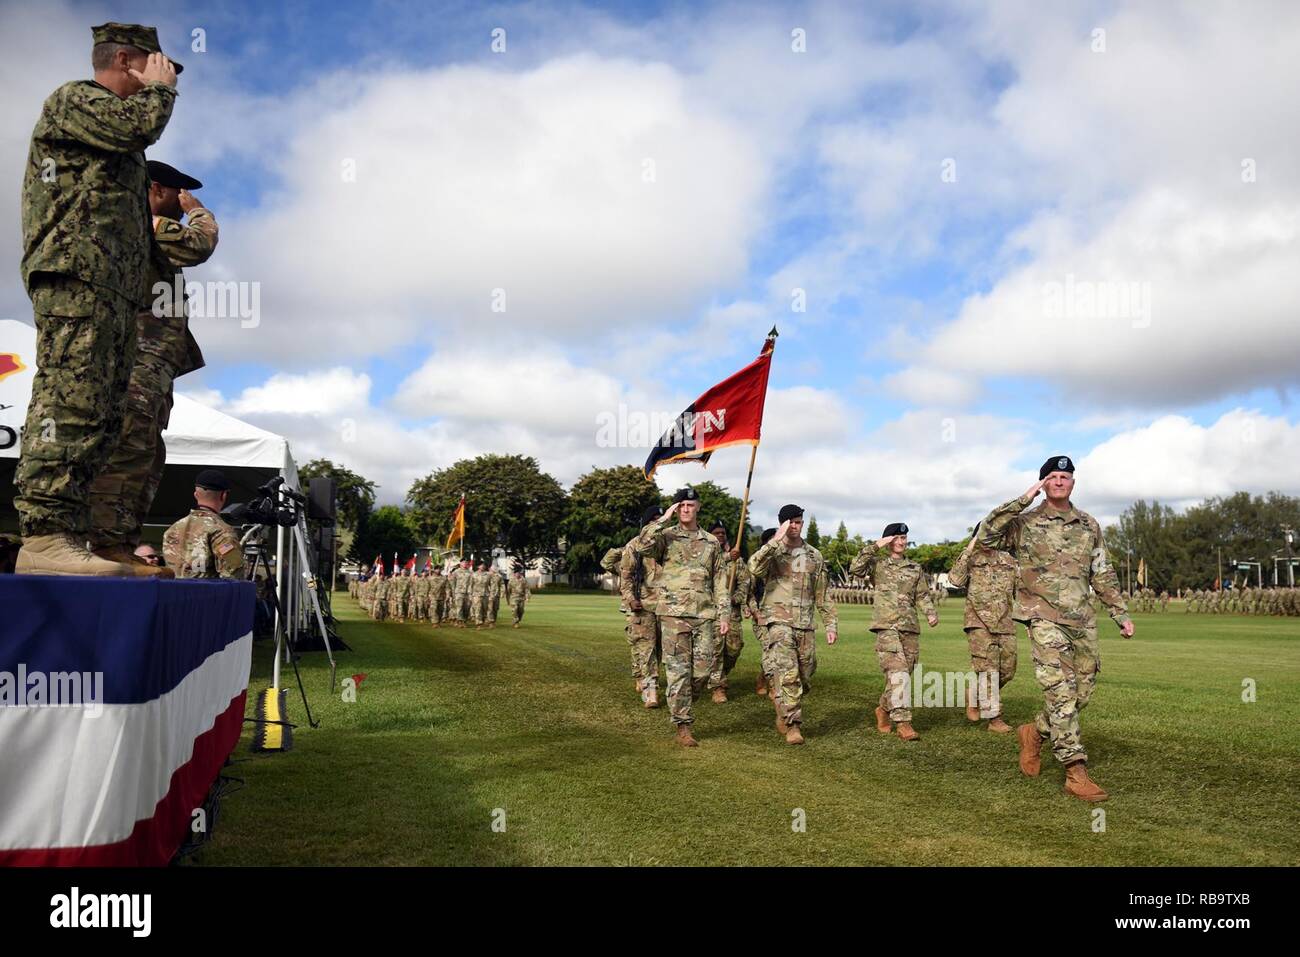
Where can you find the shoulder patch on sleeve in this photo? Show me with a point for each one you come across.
(223, 548)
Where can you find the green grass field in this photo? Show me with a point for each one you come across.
(543, 722)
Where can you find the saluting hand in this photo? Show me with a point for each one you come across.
(884, 542)
(1032, 492)
(188, 201)
(157, 69)
(783, 532)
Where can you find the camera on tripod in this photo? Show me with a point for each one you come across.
(272, 504)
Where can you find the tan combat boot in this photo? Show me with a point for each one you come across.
(719, 695)
(998, 726)
(1031, 743)
(684, 737)
(882, 721)
(760, 686)
(781, 726)
(907, 732)
(650, 697)
(64, 554)
(1080, 785)
(136, 565)
(972, 714)
(793, 735)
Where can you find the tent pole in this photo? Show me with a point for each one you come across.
(279, 593)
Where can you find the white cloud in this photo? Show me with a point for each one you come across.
(330, 392)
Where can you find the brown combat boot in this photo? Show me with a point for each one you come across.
(907, 732)
(882, 721)
(64, 554)
(781, 726)
(1080, 785)
(516, 624)
(1031, 743)
(972, 714)
(793, 735)
(760, 686)
(136, 565)
(650, 697)
(719, 695)
(998, 726)
(684, 737)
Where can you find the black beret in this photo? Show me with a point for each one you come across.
(212, 480)
(165, 175)
(1057, 463)
(768, 534)
(788, 512)
(897, 528)
(687, 494)
(717, 525)
(651, 513)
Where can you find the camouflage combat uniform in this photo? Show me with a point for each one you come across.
(690, 599)
(900, 589)
(495, 587)
(165, 349)
(792, 582)
(731, 645)
(438, 598)
(989, 576)
(85, 226)
(636, 584)
(517, 594)
(460, 582)
(202, 545)
(478, 588)
(1061, 555)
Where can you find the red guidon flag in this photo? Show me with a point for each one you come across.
(731, 413)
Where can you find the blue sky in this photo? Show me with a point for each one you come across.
(923, 383)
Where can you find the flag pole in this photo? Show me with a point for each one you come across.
(749, 479)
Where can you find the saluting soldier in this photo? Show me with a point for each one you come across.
(691, 601)
(1062, 559)
(86, 243)
(900, 590)
(793, 576)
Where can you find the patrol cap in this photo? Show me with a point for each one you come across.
(165, 175)
(767, 536)
(897, 528)
(212, 480)
(130, 35)
(789, 512)
(651, 513)
(1057, 463)
(686, 494)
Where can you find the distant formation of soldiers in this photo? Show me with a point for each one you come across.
(467, 595)
(1281, 602)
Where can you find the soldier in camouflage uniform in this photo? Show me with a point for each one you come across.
(691, 601)
(382, 592)
(730, 649)
(989, 577)
(1061, 557)
(123, 492)
(420, 594)
(636, 585)
(86, 247)
(438, 597)
(202, 545)
(458, 585)
(495, 587)
(478, 589)
(517, 595)
(901, 588)
(753, 600)
(793, 575)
